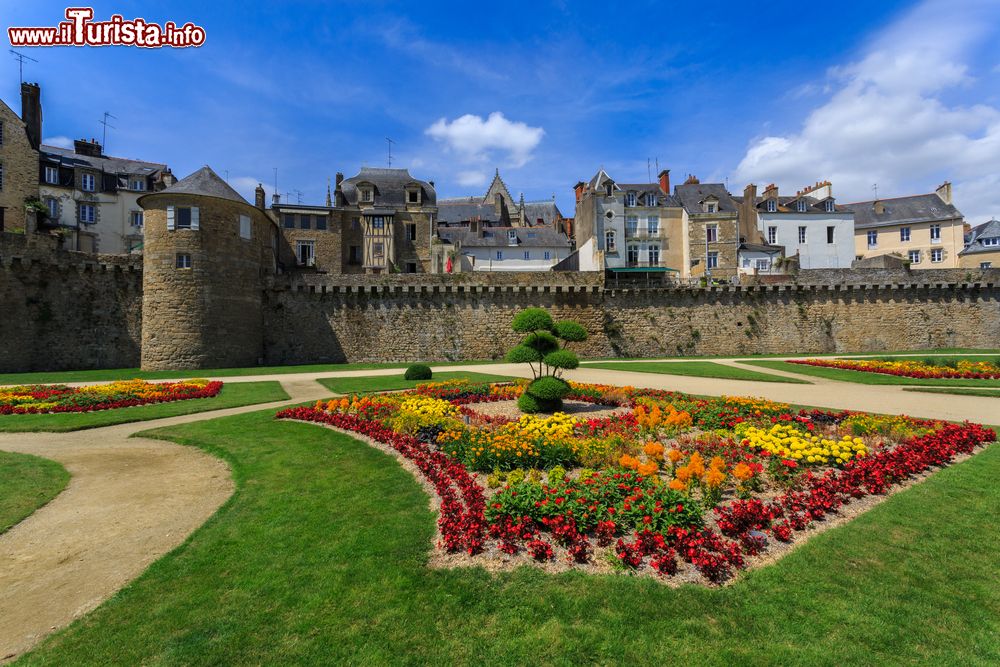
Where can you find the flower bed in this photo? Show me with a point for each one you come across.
(39, 399)
(964, 370)
(682, 488)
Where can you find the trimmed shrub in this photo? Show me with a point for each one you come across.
(532, 319)
(564, 359)
(522, 354)
(570, 331)
(548, 389)
(528, 404)
(418, 372)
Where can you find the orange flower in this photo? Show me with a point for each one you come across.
(683, 474)
(654, 450)
(742, 472)
(629, 462)
(696, 465)
(677, 485)
(714, 477)
(648, 469)
(675, 455)
(718, 463)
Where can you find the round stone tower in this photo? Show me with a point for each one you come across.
(206, 255)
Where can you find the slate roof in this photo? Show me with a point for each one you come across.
(67, 157)
(390, 187)
(527, 237)
(545, 209)
(203, 182)
(901, 210)
(462, 209)
(987, 230)
(691, 195)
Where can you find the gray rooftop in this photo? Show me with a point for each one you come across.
(900, 210)
(203, 182)
(67, 157)
(496, 237)
(463, 209)
(691, 196)
(987, 230)
(390, 187)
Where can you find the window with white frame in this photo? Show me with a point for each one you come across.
(873, 238)
(609, 241)
(527, 254)
(631, 225)
(802, 234)
(654, 254)
(985, 265)
(88, 213)
(182, 260)
(653, 225)
(52, 175)
(245, 229)
(633, 253)
(712, 260)
(937, 255)
(87, 182)
(711, 207)
(378, 222)
(830, 206)
(772, 235)
(762, 264)
(499, 254)
(137, 184)
(801, 205)
(305, 253)
(548, 255)
(711, 233)
(904, 234)
(772, 205)
(135, 218)
(53, 205)
(914, 256)
(935, 233)
(652, 200)
(182, 217)
(746, 262)
(630, 199)
(991, 241)
(367, 195)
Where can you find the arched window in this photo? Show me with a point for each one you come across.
(609, 240)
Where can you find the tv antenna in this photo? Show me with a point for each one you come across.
(298, 195)
(390, 142)
(106, 124)
(875, 189)
(649, 174)
(20, 62)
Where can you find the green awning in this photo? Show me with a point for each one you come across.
(642, 269)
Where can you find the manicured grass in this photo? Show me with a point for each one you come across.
(994, 393)
(862, 377)
(697, 368)
(352, 385)
(26, 483)
(131, 373)
(232, 395)
(320, 558)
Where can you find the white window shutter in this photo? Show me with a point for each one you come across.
(170, 218)
(194, 218)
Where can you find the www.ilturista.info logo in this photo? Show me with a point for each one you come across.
(81, 30)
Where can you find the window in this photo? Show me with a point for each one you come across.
(985, 265)
(631, 225)
(609, 241)
(802, 234)
(763, 265)
(711, 233)
(772, 235)
(366, 195)
(935, 233)
(320, 222)
(52, 175)
(772, 205)
(305, 252)
(527, 254)
(991, 241)
(378, 222)
(87, 182)
(87, 213)
(548, 255)
(138, 184)
(654, 254)
(711, 207)
(413, 197)
(354, 254)
(630, 199)
(411, 267)
(937, 255)
(914, 256)
(305, 222)
(873, 239)
(632, 253)
(653, 225)
(134, 218)
(830, 206)
(801, 205)
(245, 229)
(652, 200)
(289, 221)
(378, 252)
(904, 234)
(512, 237)
(713, 260)
(182, 218)
(746, 262)
(499, 254)
(411, 232)
(53, 206)
(182, 261)
(829, 234)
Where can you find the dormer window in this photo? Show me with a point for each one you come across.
(800, 206)
(608, 188)
(137, 184)
(512, 237)
(772, 205)
(830, 206)
(367, 195)
(710, 206)
(652, 200)
(630, 199)
(413, 196)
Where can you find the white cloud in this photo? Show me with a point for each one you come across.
(891, 119)
(247, 186)
(58, 142)
(473, 138)
(468, 178)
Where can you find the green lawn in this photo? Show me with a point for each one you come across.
(697, 368)
(232, 395)
(958, 391)
(861, 377)
(26, 483)
(319, 558)
(353, 385)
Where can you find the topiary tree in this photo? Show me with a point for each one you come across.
(545, 345)
(418, 372)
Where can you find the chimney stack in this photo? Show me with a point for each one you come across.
(31, 112)
(258, 197)
(90, 148)
(771, 192)
(339, 179)
(578, 189)
(748, 215)
(167, 177)
(692, 180)
(275, 200)
(944, 192)
(665, 181)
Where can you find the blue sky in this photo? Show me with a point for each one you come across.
(903, 94)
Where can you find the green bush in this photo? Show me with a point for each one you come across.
(547, 388)
(515, 476)
(531, 319)
(528, 404)
(523, 354)
(563, 359)
(418, 372)
(556, 475)
(570, 331)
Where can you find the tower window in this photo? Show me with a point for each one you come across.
(183, 260)
(245, 229)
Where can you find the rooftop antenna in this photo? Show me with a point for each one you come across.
(298, 195)
(20, 62)
(649, 175)
(106, 124)
(390, 142)
(275, 180)
(875, 188)
(227, 175)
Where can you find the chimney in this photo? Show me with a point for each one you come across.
(90, 148)
(275, 200)
(258, 197)
(748, 215)
(167, 177)
(878, 206)
(944, 192)
(338, 181)
(431, 183)
(770, 192)
(578, 189)
(692, 180)
(31, 112)
(665, 181)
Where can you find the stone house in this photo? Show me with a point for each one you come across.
(495, 248)
(925, 229)
(982, 247)
(20, 137)
(712, 223)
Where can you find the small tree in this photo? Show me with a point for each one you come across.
(545, 345)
